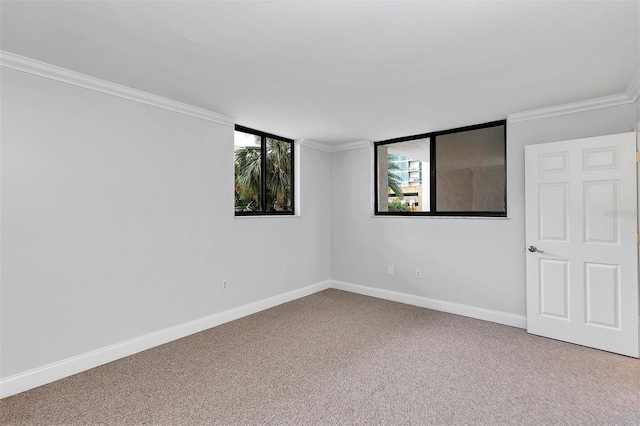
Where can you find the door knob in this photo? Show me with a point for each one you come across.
(534, 249)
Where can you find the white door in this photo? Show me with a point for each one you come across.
(582, 255)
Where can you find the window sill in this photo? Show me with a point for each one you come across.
(395, 216)
(269, 216)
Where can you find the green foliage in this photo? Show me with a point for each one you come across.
(394, 180)
(398, 206)
(248, 177)
(278, 175)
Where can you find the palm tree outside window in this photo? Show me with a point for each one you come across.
(264, 166)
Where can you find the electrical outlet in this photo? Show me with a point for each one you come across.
(225, 285)
(390, 269)
(418, 274)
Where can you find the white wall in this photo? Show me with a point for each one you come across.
(117, 222)
(475, 262)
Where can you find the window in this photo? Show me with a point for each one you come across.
(263, 173)
(460, 172)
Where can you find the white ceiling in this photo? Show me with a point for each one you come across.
(341, 71)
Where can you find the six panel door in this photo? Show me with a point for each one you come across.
(581, 230)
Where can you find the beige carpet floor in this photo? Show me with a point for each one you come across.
(341, 358)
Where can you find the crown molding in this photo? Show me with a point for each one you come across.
(52, 72)
(351, 145)
(604, 102)
(334, 148)
(629, 96)
(315, 144)
(633, 91)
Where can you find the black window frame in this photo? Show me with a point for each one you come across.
(433, 170)
(263, 172)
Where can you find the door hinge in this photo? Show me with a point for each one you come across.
(637, 157)
(638, 238)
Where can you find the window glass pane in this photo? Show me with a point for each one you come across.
(248, 172)
(278, 176)
(404, 176)
(470, 171)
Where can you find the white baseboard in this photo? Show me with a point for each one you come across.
(58, 370)
(512, 320)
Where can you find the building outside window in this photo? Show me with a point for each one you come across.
(458, 172)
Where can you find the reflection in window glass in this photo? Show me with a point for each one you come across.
(470, 171)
